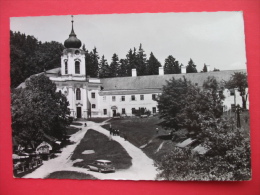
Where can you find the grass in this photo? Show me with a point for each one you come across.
(97, 120)
(71, 130)
(76, 124)
(141, 132)
(104, 149)
(69, 175)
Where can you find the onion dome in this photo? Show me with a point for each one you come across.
(72, 41)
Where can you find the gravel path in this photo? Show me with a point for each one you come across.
(142, 167)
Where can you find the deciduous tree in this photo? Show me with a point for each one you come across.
(239, 81)
(38, 109)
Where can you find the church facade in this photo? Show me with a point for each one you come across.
(108, 97)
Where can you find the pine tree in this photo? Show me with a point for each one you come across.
(114, 66)
(204, 68)
(171, 66)
(153, 65)
(191, 68)
(104, 69)
(122, 72)
(92, 59)
(131, 61)
(141, 61)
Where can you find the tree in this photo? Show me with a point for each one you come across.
(131, 61)
(183, 105)
(92, 62)
(171, 66)
(114, 66)
(30, 56)
(215, 70)
(104, 69)
(239, 81)
(170, 102)
(141, 62)
(38, 110)
(205, 69)
(122, 72)
(191, 68)
(228, 157)
(153, 65)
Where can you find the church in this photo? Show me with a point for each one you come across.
(108, 97)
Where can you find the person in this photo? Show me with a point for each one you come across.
(238, 110)
(85, 124)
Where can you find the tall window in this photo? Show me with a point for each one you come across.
(93, 95)
(105, 111)
(123, 110)
(154, 110)
(93, 106)
(133, 97)
(104, 98)
(113, 98)
(78, 94)
(154, 96)
(77, 67)
(66, 67)
(141, 97)
(122, 98)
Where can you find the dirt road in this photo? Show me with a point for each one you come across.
(142, 167)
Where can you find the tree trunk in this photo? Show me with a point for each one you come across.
(244, 102)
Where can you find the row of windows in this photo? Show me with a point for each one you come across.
(93, 96)
(77, 67)
(123, 110)
(78, 94)
(133, 98)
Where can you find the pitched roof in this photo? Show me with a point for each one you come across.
(157, 81)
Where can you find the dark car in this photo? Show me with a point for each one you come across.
(101, 166)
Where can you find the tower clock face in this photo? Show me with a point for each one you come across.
(77, 52)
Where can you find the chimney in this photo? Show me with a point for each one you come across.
(161, 71)
(183, 69)
(134, 72)
(208, 68)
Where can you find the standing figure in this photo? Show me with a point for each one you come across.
(238, 110)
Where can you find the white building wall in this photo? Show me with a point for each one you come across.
(106, 102)
(71, 57)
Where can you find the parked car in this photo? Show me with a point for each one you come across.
(101, 166)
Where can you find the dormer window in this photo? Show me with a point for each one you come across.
(77, 67)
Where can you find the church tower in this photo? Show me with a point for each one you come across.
(73, 58)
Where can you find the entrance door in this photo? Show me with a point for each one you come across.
(78, 112)
(142, 111)
(114, 113)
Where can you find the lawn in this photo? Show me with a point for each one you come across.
(71, 130)
(141, 132)
(97, 120)
(69, 175)
(103, 148)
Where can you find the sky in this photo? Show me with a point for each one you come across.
(214, 38)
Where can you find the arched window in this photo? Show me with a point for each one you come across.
(78, 94)
(66, 67)
(77, 67)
